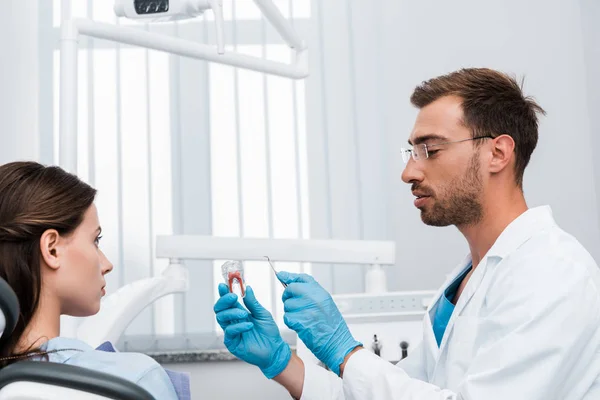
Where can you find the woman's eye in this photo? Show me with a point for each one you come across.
(97, 241)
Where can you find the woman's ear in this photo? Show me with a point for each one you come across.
(49, 248)
(503, 148)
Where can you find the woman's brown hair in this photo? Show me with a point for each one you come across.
(33, 199)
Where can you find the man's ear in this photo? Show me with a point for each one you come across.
(503, 148)
(49, 244)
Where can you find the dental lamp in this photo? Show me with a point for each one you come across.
(173, 10)
(156, 11)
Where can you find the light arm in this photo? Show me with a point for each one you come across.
(72, 28)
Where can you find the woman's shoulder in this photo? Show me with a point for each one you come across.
(135, 367)
(131, 366)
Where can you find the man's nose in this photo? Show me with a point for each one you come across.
(412, 172)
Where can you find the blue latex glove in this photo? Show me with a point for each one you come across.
(311, 312)
(251, 335)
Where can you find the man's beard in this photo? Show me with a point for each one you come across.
(459, 202)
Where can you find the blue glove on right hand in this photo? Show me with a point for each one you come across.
(311, 312)
(251, 336)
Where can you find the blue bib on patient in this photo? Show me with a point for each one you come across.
(180, 380)
(444, 308)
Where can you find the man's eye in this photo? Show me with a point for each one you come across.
(432, 152)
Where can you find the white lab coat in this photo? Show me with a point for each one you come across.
(527, 326)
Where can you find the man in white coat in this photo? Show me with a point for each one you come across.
(519, 318)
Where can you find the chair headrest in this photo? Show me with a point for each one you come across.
(9, 309)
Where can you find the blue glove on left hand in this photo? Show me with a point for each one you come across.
(311, 312)
(251, 336)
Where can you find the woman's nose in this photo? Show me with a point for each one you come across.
(106, 265)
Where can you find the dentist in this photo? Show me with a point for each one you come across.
(519, 317)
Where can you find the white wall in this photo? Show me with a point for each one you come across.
(540, 39)
(590, 13)
(19, 82)
(366, 58)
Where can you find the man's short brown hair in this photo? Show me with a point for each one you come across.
(493, 104)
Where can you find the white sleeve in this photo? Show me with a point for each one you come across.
(320, 383)
(367, 376)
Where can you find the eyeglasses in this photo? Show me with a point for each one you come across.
(421, 151)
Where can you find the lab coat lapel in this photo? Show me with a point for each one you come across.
(518, 232)
(429, 336)
(470, 289)
(513, 236)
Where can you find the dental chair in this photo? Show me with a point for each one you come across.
(39, 380)
(120, 308)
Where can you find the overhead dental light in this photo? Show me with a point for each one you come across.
(156, 11)
(173, 10)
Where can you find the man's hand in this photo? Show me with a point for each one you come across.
(311, 312)
(251, 335)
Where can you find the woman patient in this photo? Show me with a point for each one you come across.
(50, 256)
